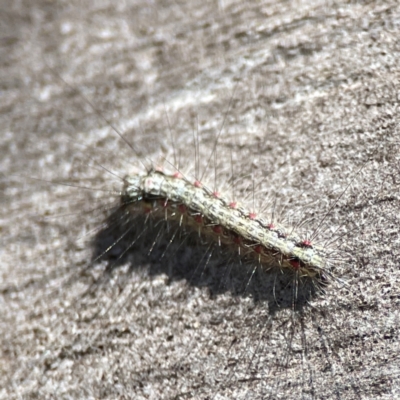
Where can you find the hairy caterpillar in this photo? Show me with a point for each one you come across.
(225, 222)
(315, 102)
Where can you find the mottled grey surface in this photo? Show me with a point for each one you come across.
(306, 91)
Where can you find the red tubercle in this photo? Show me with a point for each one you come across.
(177, 175)
(306, 243)
(237, 239)
(197, 184)
(182, 208)
(233, 205)
(216, 194)
(258, 249)
(295, 264)
(198, 218)
(218, 229)
(147, 208)
(271, 226)
(252, 215)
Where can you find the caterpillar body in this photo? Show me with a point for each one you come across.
(194, 205)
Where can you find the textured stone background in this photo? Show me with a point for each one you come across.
(309, 91)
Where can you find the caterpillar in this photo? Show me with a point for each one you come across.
(306, 107)
(195, 205)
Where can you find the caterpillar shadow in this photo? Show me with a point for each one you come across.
(164, 247)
